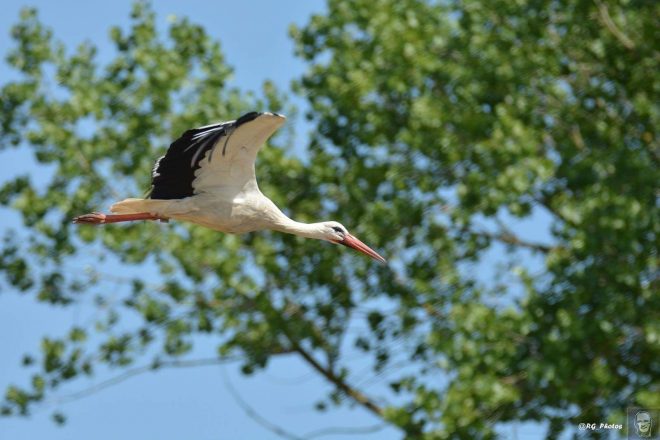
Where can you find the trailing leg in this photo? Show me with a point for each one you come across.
(98, 218)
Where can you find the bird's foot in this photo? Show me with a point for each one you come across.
(95, 218)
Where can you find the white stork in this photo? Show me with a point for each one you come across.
(207, 177)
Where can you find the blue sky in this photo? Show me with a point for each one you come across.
(187, 403)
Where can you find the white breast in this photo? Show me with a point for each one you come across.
(245, 212)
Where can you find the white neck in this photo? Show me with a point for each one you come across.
(278, 221)
(307, 230)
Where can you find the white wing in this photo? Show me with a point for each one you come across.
(214, 158)
(229, 165)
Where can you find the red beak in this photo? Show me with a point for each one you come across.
(353, 242)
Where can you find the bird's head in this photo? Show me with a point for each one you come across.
(337, 233)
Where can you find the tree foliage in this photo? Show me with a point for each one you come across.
(438, 124)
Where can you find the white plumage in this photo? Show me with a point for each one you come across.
(208, 178)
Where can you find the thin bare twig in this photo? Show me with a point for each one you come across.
(345, 431)
(254, 415)
(132, 372)
(544, 201)
(87, 165)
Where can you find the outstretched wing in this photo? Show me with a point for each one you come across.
(173, 173)
(212, 156)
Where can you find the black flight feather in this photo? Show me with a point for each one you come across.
(173, 173)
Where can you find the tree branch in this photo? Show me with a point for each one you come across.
(606, 19)
(505, 235)
(338, 382)
(154, 366)
(511, 239)
(328, 373)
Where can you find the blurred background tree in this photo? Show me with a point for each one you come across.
(443, 130)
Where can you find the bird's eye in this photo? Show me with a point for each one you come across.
(337, 229)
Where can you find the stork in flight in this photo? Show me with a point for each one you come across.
(207, 177)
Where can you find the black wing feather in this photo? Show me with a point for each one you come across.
(173, 173)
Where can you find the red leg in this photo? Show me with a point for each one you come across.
(98, 218)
